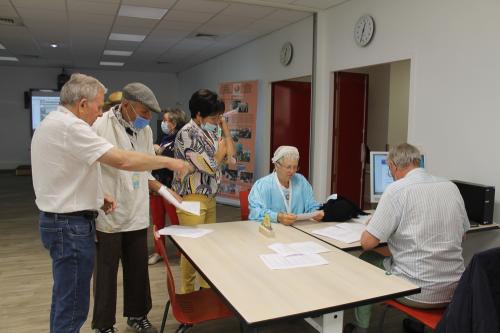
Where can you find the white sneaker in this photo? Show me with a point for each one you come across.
(154, 258)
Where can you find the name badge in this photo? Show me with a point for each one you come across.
(136, 180)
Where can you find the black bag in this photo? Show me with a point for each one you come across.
(340, 210)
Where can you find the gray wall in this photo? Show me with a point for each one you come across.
(15, 137)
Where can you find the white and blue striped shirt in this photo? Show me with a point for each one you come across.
(423, 220)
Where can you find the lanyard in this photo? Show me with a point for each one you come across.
(288, 203)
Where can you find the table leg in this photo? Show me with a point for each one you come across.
(328, 323)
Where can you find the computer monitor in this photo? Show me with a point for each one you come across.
(380, 177)
(42, 103)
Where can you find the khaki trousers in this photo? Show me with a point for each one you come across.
(207, 215)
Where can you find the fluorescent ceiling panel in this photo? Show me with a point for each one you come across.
(8, 59)
(142, 12)
(118, 53)
(2, 47)
(126, 37)
(111, 63)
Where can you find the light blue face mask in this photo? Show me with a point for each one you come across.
(139, 122)
(165, 128)
(210, 128)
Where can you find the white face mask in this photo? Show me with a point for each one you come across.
(165, 129)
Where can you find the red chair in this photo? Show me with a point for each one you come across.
(244, 210)
(172, 214)
(428, 317)
(192, 308)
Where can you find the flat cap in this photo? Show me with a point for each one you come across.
(138, 92)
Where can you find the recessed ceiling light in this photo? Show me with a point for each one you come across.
(118, 53)
(54, 45)
(2, 47)
(126, 37)
(111, 63)
(9, 59)
(142, 12)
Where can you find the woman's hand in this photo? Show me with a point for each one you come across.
(286, 219)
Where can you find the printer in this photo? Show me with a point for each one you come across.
(479, 201)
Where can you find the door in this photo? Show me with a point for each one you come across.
(349, 135)
(291, 119)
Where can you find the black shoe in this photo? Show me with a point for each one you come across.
(141, 325)
(106, 330)
(413, 326)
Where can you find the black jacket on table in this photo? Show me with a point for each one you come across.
(475, 306)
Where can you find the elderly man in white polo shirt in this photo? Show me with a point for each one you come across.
(423, 220)
(65, 157)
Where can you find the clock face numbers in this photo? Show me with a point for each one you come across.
(286, 54)
(363, 30)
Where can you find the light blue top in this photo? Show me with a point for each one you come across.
(266, 198)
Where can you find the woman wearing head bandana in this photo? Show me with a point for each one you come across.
(284, 193)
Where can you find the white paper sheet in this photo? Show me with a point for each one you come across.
(306, 216)
(343, 235)
(276, 261)
(298, 248)
(183, 231)
(192, 207)
(352, 226)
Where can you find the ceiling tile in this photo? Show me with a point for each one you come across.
(132, 22)
(288, 15)
(91, 7)
(7, 11)
(90, 20)
(242, 10)
(150, 3)
(131, 30)
(175, 25)
(229, 21)
(204, 6)
(187, 16)
(54, 5)
(43, 15)
(318, 4)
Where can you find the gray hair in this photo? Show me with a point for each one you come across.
(78, 87)
(178, 116)
(403, 155)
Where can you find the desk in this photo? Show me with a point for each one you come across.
(309, 226)
(229, 260)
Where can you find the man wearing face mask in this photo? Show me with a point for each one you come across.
(122, 235)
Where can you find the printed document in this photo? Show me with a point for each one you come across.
(184, 231)
(298, 248)
(192, 207)
(340, 234)
(276, 261)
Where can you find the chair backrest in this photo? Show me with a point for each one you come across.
(163, 253)
(244, 211)
(172, 214)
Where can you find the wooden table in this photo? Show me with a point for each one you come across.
(309, 226)
(228, 258)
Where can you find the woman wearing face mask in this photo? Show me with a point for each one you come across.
(173, 120)
(284, 193)
(201, 143)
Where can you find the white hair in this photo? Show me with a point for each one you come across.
(78, 87)
(403, 155)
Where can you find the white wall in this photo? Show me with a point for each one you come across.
(454, 101)
(257, 60)
(15, 138)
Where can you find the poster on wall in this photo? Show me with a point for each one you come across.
(241, 112)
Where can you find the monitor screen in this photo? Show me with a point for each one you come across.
(42, 103)
(380, 177)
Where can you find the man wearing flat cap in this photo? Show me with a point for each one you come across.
(122, 235)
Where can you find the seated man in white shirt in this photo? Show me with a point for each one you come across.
(423, 220)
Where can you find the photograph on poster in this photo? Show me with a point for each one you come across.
(245, 133)
(246, 177)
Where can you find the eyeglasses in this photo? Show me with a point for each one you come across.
(289, 167)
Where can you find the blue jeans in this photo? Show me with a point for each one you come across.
(70, 241)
